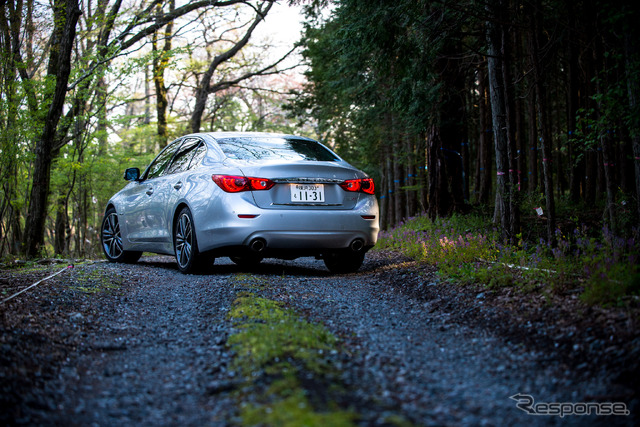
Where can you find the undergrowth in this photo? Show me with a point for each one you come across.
(467, 249)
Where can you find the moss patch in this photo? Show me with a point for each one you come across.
(288, 364)
(271, 337)
(92, 281)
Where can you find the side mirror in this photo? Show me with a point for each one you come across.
(132, 174)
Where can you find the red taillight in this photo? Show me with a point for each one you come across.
(260, 183)
(359, 185)
(236, 184)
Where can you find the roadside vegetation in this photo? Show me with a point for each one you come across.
(587, 258)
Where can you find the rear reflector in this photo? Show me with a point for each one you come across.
(247, 216)
(368, 216)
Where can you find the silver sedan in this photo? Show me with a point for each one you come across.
(247, 196)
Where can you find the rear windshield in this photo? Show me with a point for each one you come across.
(275, 149)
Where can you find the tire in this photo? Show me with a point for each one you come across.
(185, 245)
(343, 262)
(111, 240)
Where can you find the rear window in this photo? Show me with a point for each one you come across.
(275, 149)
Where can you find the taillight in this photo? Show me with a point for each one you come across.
(236, 184)
(364, 185)
(260, 183)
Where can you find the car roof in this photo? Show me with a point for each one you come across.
(224, 135)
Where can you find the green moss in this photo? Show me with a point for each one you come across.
(274, 349)
(95, 280)
(288, 364)
(270, 334)
(30, 267)
(293, 411)
(250, 282)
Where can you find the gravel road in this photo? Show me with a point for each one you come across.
(148, 346)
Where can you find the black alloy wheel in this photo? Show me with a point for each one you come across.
(185, 244)
(111, 240)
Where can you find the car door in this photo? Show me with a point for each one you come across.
(145, 216)
(168, 189)
(178, 176)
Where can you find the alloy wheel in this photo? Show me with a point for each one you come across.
(111, 238)
(184, 240)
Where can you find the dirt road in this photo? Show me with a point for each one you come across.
(106, 344)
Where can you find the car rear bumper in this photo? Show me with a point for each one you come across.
(306, 229)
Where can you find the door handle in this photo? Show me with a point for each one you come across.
(178, 185)
(150, 191)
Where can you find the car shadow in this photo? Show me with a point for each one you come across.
(268, 267)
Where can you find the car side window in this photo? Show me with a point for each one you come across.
(198, 155)
(183, 158)
(160, 163)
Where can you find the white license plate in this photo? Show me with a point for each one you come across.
(307, 193)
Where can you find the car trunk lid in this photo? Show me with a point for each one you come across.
(305, 185)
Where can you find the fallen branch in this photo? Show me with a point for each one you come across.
(36, 284)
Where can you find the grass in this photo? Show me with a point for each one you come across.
(286, 361)
(467, 249)
(270, 336)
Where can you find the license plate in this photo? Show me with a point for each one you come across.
(307, 193)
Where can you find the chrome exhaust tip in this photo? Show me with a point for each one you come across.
(357, 245)
(258, 245)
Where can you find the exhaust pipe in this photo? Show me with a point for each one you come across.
(258, 245)
(357, 245)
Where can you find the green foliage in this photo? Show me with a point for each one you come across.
(467, 250)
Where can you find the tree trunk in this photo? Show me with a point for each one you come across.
(533, 142)
(388, 195)
(204, 88)
(398, 193)
(576, 163)
(495, 66)
(66, 14)
(484, 149)
(60, 227)
(440, 198)
(422, 175)
(632, 63)
(409, 173)
(545, 131)
(160, 63)
(510, 120)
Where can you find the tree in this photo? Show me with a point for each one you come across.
(160, 63)
(65, 14)
(74, 83)
(498, 59)
(384, 73)
(206, 86)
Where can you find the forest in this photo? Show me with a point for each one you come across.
(523, 109)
